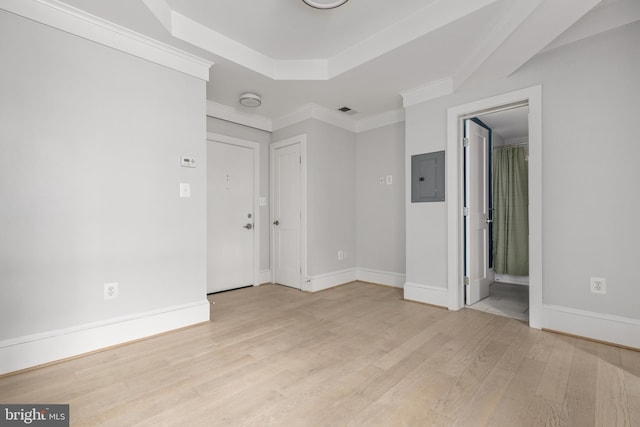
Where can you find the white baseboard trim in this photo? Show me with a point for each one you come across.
(33, 350)
(603, 327)
(426, 294)
(381, 277)
(265, 277)
(516, 280)
(321, 282)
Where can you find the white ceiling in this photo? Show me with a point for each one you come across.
(509, 124)
(289, 29)
(363, 54)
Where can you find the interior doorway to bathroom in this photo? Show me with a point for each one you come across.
(495, 223)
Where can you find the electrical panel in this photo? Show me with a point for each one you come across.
(427, 177)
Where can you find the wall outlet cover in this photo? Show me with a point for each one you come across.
(111, 290)
(599, 285)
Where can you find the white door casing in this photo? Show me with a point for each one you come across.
(288, 215)
(477, 247)
(454, 194)
(232, 213)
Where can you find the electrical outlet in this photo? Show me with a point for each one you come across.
(111, 290)
(340, 255)
(598, 285)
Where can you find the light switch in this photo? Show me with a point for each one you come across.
(185, 190)
(263, 201)
(389, 179)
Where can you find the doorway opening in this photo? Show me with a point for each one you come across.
(495, 180)
(455, 193)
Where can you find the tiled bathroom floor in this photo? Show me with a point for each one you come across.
(506, 300)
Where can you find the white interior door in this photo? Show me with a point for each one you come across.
(287, 215)
(477, 218)
(230, 217)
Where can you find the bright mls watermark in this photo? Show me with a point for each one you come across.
(34, 415)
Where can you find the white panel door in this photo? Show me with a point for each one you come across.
(230, 218)
(477, 217)
(287, 185)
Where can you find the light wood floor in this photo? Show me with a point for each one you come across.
(355, 355)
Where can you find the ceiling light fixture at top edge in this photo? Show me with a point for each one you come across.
(328, 4)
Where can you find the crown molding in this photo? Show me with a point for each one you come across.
(307, 111)
(427, 92)
(90, 27)
(318, 112)
(380, 120)
(434, 16)
(230, 114)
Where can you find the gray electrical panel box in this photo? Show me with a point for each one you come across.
(427, 177)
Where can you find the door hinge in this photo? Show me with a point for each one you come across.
(465, 211)
(465, 142)
(466, 280)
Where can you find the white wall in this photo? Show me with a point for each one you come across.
(90, 145)
(331, 194)
(263, 138)
(589, 91)
(381, 207)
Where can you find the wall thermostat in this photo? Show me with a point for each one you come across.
(188, 162)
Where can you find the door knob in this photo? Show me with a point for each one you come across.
(488, 221)
(248, 226)
(276, 222)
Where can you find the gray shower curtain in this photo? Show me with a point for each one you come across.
(511, 211)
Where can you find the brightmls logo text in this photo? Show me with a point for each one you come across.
(34, 415)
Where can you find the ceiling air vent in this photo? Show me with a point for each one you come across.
(347, 110)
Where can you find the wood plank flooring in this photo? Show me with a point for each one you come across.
(356, 355)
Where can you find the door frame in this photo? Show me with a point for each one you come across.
(454, 194)
(224, 139)
(302, 140)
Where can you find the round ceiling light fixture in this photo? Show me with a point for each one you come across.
(250, 99)
(325, 4)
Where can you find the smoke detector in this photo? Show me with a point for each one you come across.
(250, 99)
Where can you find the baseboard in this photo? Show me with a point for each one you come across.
(516, 280)
(597, 326)
(381, 277)
(38, 349)
(265, 277)
(426, 294)
(321, 282)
